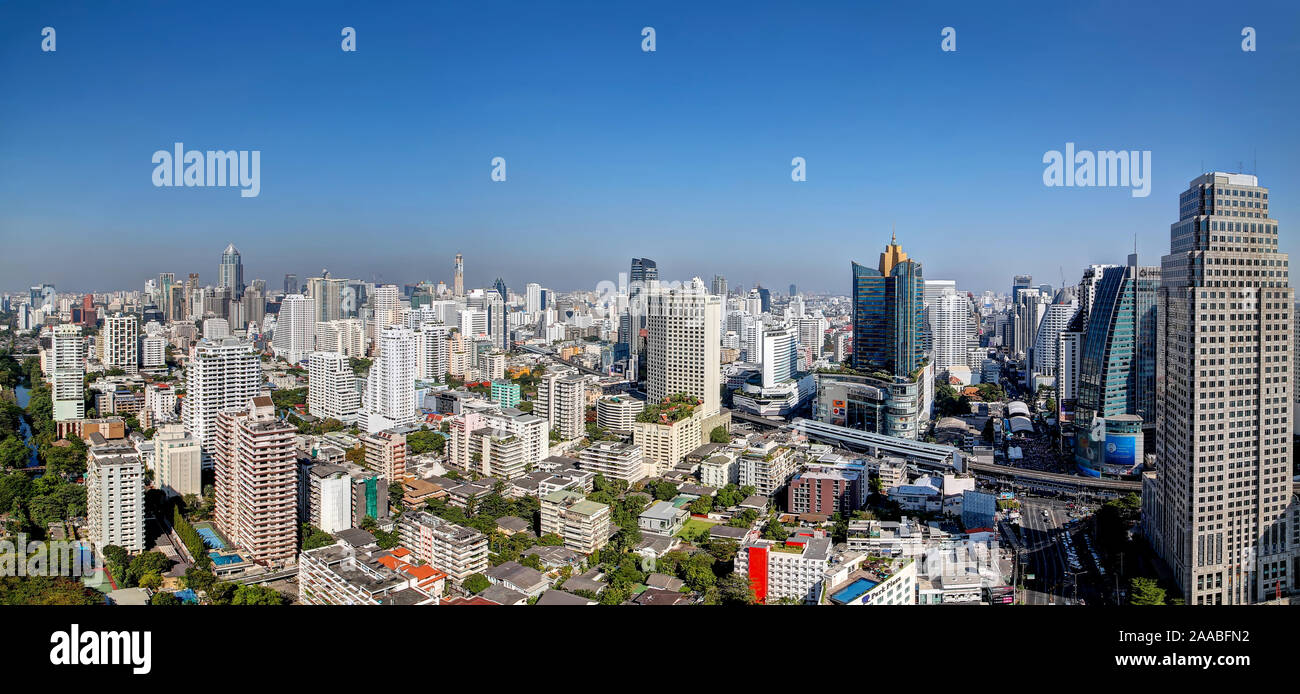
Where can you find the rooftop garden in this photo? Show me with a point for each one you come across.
(671, 410)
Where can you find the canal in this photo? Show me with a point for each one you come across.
(24, 428)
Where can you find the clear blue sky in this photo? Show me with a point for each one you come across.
(375, 164)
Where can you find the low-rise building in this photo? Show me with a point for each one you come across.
(584, 524)
(343, 575)
(453, 549)
(663, 518)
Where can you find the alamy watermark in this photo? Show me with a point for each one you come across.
(53, 558)
(1104, 168)
(195, 168)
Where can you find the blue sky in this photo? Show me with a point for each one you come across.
(376, 163)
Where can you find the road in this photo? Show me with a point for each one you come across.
(1045, 539)
(1044, 557)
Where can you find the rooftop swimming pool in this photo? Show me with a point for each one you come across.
(854, 590)
(224, 559)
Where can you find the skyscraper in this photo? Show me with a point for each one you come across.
(459, 269)
(326, 296)
(1117, 370)
(295, 329)
(390, 386)
(221, 375)
(683, 344)
(68, 372)
(1223, 397)
(257, 481)
(290, 283)
(230, 274)
(121, 343)
(951, 328)
(1018, 283)
(889, 313)
(332, 387)
(720, 286)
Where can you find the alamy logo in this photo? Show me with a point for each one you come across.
(241, 169)
(49, 40)
(77, 647)
(1099, 169)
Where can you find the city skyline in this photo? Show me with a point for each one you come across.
(616, 153)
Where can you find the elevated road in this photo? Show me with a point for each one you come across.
(547, 353)
(1050, 480)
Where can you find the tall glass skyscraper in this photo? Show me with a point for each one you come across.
(1117, 371)
(230, 274)
(1217, 507)
(889, 330)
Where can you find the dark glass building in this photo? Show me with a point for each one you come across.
(889, 328)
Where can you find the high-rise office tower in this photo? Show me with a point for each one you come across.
(254, 303)
(121, 343)
(390, 386)
(643, 274)
(326, 296)
(290, 283)
(780, 355)
(230, 274)
(498, 329)
(1117, 371)
(257, 481)
(950, 327)
(1041, 367)
(1027, 312)
(719, 286)
(533, 298)
(295, 329)
(332, 387)
(221, 375)
(385, 304)
(794, 291)
(889, 330)
(682, 354)
(346, 336)
(68, 372)
(1018, 284)
(433, 353)
(1223, 397)
(459, 281)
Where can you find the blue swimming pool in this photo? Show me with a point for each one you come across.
(222, 560)
(854, 590)
(210, 538)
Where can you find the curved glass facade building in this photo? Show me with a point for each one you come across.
(1117, 371)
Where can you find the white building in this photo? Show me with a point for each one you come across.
(617, 413)
(295, 329)
(390, 386)
(178, 461)
(68, 372)
(121, 343)
(614, 460)
(347, 336)
(115, 502)
(683, 348)
(433, 353)
(221, 375)
(332, 387)
(951, 329)
(562, 400)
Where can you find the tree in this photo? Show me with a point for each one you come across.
(702, 506)
(199, 579)
(734, 589)
(476, 583)
(164, 598)
(256, 595)
(151, 580)
(775, 531)
(1145, 591)
(13, 454)
(357, 455)
(719, 435)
